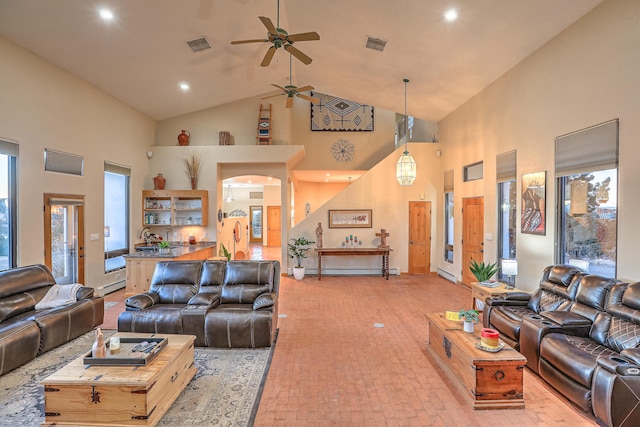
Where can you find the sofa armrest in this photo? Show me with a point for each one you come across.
(85, 292)
(512, 298)
(142, 301)
(205, 298)
(619, 365)
(632, 354)
(565, 318)
(265, 301)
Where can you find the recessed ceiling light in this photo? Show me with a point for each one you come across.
(184, 86)
(106, 14)
(451, 15)
(249, 182)
(328, 174)
(269, 178)
(326, 180)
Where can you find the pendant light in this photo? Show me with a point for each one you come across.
(229, 196)
(406, 166)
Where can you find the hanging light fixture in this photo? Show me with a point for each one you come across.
(406, 166)
(229, 197)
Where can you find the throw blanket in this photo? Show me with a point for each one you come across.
(59, 295)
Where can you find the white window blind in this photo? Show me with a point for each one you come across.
(506, 166)
(588, 150)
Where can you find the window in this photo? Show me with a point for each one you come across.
(8, 205)
(473, 172)
(116, 216)
(588, 198)
(506, 179)
(448, 216)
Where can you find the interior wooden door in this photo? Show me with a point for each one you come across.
(274, 226)
(472, 235)
(419, 237)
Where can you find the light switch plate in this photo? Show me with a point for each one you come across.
(488, 236)
(95, 236)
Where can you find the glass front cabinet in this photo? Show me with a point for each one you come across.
(175, 207)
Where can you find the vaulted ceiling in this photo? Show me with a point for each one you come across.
(141, 56)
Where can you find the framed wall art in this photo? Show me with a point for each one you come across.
(350, 218)
(533, 219)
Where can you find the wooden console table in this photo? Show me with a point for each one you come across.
(384, 252)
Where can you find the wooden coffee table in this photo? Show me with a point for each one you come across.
(82, 395)
(486, 380)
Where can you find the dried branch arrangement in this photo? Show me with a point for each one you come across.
(193, 166)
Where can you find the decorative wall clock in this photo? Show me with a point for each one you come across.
(342, 150)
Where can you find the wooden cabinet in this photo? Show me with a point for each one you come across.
(175, 207)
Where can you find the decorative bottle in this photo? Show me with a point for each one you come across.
(99, 349)
(184, 138)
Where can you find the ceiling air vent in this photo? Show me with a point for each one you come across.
(375, 44)
(198, 45)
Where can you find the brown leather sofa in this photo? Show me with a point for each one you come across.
(224, 304)
(588, 348)
(26, 332)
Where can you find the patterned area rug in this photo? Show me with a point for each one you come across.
(224, 392)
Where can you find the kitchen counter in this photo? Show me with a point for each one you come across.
(176, 251)
(141, 265)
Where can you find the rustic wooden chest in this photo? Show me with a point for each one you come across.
(81, 395)
(486, 380)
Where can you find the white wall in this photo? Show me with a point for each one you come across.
(586, 75)
(42, 106)
(379, 190)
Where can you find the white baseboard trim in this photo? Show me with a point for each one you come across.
(446, 275)
(111, 287)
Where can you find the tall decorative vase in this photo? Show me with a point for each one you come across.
(99, 349)
(158, 182)
(184, 138)
(194, 183)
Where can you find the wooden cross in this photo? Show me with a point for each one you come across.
(383, 238)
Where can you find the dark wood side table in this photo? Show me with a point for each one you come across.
(384, 252)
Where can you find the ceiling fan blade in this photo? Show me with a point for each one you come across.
(279, 87)
(289, 103)
(299, 55)
(309, 98)
(305, 88)
(268, 57)
(249, 41)
(301, 37)
(267, 23)
(272, 96)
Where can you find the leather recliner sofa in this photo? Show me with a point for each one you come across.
(588, 348)
(224, 304)
(26, 332)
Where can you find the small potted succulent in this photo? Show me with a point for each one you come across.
(469, 317)
(164, 247)
(298, 251)
(482, 271)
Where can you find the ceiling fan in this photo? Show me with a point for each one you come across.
(280, 38)
(290, 91)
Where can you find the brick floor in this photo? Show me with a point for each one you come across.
(332, 367)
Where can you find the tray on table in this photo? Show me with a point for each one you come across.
(127, 355)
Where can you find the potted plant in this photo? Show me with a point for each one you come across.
(224, 252)
(298, 250)
(469, 317)
(482, 271)
(164, 246)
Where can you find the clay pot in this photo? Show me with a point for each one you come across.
(184, 138)
(158, 182)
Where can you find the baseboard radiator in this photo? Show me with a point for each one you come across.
(111, 287)
(446, 275)
(348, 271)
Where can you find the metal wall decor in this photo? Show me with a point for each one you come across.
(342, 150)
